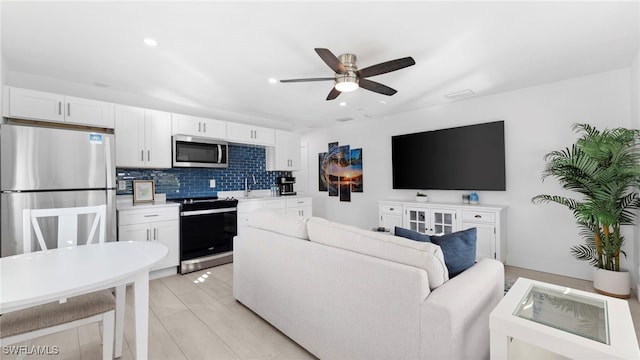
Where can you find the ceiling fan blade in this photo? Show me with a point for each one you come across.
(333, 94)
(331, 60)
(376, 87)
(386, 67)
(305, 80)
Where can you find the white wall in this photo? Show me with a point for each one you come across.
(635, 120)
(537, 120)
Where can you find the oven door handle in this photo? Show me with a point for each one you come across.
(209, 211)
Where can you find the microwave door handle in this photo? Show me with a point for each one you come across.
(219, 154)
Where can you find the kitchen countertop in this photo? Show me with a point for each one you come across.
(257, 195)
(125, 202)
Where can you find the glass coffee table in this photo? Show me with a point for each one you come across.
(568, 322)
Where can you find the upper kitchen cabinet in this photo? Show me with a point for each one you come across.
(143, 137)
(44, 106)
(197, 126)
(285, 156)
(249, 134)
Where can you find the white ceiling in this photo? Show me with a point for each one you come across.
(216, 57)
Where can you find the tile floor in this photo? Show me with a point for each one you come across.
(195, 317)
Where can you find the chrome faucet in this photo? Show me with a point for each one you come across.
(247, 188)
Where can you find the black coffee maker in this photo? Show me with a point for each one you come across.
(285, 185)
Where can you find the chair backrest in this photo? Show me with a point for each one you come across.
(67, 225)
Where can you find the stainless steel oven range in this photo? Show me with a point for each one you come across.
(207, 228)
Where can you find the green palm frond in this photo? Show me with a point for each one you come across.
(603, 166)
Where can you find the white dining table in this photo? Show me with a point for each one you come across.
(40, 277)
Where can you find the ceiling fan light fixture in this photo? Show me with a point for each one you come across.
(347, 83)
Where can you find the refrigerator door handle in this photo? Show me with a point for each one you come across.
(110, 170)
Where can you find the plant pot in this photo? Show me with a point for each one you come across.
(612, 283)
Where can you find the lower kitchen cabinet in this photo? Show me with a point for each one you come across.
(300, 206)
(160, 224)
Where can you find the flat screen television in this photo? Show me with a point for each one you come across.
(461, 158)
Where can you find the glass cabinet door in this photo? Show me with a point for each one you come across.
(443, 221)
(417, 219)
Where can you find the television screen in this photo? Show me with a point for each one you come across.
(462, 158)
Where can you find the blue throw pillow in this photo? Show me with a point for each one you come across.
(410, 234)
(459, 249)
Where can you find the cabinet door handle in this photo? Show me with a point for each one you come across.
(155, 234)
(204, 127)
(59, 107)
(391, 209)
(68, 109)
(199, 127)
(148, 155)
(151, 215)
(147, 234)
(141, 155)
(478, 216)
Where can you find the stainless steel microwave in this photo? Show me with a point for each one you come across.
(190, 151)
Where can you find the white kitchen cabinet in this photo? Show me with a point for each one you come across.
(300, 206)
(294, 205)
(247, 206)
(160, 224)
(44, 106)
(143, 138)
(198, 126)
(444, 218)
(285, 155)
(250, 134)
(390, 215)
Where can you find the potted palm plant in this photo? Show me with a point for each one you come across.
(602, 166)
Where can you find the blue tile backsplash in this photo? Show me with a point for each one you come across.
(244, 161)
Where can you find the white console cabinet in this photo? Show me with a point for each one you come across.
(445, 218)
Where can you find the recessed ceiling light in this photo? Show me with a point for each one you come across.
(382, 102)
(273, 81)
(150, 42)
(343, 104)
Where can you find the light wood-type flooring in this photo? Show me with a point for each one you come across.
(195, 316)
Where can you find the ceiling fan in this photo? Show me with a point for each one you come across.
(349, 78)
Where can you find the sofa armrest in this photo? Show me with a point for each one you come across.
(457, 313)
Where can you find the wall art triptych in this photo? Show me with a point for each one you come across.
(340, 171)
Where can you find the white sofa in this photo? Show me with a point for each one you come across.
(345, 293)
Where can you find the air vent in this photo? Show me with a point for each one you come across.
(460, 94)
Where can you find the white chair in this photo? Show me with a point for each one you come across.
(37, 321)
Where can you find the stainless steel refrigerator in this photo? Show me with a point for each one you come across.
(42, 167)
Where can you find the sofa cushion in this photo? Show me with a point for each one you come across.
(423, 255)
(271, 220)
(459, 250)
(410, 234)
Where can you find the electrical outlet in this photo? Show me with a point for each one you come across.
(122, 185)
(212, 183)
